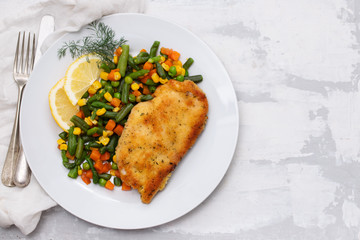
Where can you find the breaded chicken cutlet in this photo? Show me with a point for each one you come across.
(158, 134)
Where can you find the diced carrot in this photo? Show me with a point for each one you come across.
(168, 62)
(166, 51)
(109, 185)
(136, 93)
(111, 76)
(118, 129)
(141, 85)
(98, 165)
(80, 114)
(88, 174)
(152, 72)
(71, 157)
(115, 70)
(117, 173)
(85, 179)
(143, 50)
(105, 156)
(125, 187)
(95, 155)
(146, 90)
(174, 55)
(148, 66)
(118, 51)
(110, 125)
(144, 79)
(115, 102)
(106, 167)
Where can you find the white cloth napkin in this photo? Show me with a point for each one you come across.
(23, 206)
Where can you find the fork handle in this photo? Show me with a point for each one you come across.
(22, 173)
(10, 163)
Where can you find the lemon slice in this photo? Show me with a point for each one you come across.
(80, 75)
(61, 107)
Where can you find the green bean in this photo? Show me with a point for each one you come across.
(142, 57)
(105, 176)
(109, 114)
(137, 74)
(87, 138)
(105, 67)
(195, 78)
(186, 73)
(85, 95)
(80, 147)
(94, 130)
(93, 114)
(63, 135)
(188, 63)
(117, 181)
(125, 93)
(108, 88)
(122, 122)
(150, 82)
(154, 59)
(85, 109)
(79, 122)
(95, 175)
(123, 59)
(72, 141)
(100, 122)
(123, 112)
(65, 160)
(112, 143)
(152, 88)
(146, 97)
(73, 173)
(154, 48)
(94, 145)
(102, 150)
(99, 104)
(132, 63)
(102, 182)
(81, 159)
(160, 70)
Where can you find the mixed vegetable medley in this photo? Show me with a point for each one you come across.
(88, 148)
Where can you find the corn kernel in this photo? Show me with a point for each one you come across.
(165, 67)
(135, 86)
(138, 98)
(112, 172)
(107, 133)
(155, 77)
(108, 97)
(104, 75)
(88, 121)
(117, 76)
(183, 71)
(97, 85)
(162, 59)
(177, 63)
(163, 81)
(80, 172)
(104, 140)
(101, 111)
(178, 69)
(116, 59)
(82, 102)
(92, 90)
(114, 158)
(60, 141)
(116, 109)
(77, 131)
(63, 146)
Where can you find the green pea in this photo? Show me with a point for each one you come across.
(103, 82)
(117, 95)
(172, 71)
(132, 98)
(102, 182)
(180, 78)
(115, 83)
(86, 166)
(129, 80)
(117, 181)
(114, 166)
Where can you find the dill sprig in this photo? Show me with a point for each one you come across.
(101, 42)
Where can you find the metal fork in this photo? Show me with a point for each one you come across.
(23, 65)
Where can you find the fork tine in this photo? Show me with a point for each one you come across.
(33, 52)
(22, 54)
(15, 68)
(27, 65)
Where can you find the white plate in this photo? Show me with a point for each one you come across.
(197, 175)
